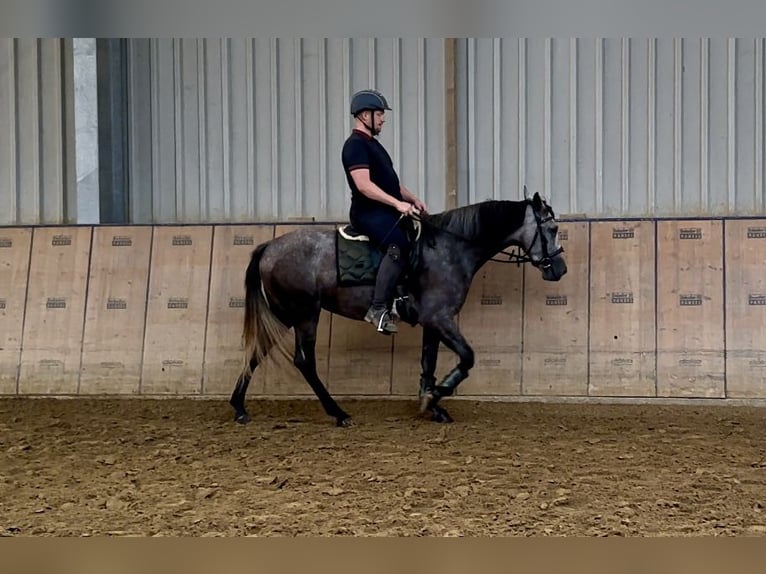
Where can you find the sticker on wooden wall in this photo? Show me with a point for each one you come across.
(232, 247)
(55, 308)
(555, 336)
(115, 310)
(622, 309)
(690, 330)
(745, 308)
(15, 245)
(176, 311)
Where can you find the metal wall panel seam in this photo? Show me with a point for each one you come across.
(154, 58)
(599, 119)
(347, 83)
(573, 103)
(226, 133)
(547, 116)
(179, 131)
(53, 145)
(625, 126)
(324, 200)
(421, 114)
(758, 177)
(651, 124)
(250, 120)
(678, 79)
(298, 111)
(202, 168)
(732, 124)
(30, 164)
(274, 77)
(471, 61)
(522, 113)
(371, 58)
(397, 94)
(704, 122)
(12, 109)
(497, 116)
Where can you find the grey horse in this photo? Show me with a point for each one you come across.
(291, 278)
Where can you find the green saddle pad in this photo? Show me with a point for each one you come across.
(357, 260)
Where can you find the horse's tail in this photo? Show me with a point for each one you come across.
(262, 329)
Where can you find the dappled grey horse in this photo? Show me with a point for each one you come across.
(291, 278)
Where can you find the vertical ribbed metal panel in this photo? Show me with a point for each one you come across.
(252, 129)
(614, 127)
(33, 133)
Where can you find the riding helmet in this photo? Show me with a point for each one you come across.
(368, 100)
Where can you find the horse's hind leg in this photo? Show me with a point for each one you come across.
(237, 400)
(305, 361)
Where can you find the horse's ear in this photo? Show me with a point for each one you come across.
(526, 192)
(537, 200)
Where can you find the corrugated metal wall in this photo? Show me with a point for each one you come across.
(251, 129)
(614, 127)
(36, 146)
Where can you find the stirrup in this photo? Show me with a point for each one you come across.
(382, 319)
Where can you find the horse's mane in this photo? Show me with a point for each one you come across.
(491, 219)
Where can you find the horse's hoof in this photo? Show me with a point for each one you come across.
(242, 418)
(441, 416)
(346, 422)
(425, 402)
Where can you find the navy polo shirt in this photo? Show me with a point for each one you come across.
(363, 151)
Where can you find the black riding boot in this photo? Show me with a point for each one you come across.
(385, 283)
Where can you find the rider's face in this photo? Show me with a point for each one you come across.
(379, 118)
(376, 120)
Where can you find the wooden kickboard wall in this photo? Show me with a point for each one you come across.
(649, 308)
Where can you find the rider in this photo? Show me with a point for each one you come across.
(378, 200)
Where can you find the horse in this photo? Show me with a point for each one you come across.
(290, 279)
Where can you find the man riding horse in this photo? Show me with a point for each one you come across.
(379, 202)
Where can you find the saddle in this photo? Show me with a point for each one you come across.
(358, 259)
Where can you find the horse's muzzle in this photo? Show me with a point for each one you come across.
(554, 269)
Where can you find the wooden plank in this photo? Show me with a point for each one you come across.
(556, 322)
(281, 376)
(360, 359)
(53, 327)
(622, 309)
(745, 309)
(176, 312)
(115, 310)
(690, 331)
(491, 319)
(224, 359)
(15, 245)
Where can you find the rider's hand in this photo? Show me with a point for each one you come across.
(420, 206)
(405, 208)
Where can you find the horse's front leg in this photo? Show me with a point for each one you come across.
(428, 361)
(454, 340)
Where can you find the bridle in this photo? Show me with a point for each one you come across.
(515, 256)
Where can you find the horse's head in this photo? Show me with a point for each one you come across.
(539, 238)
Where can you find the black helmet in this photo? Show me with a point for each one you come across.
(368, 100)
